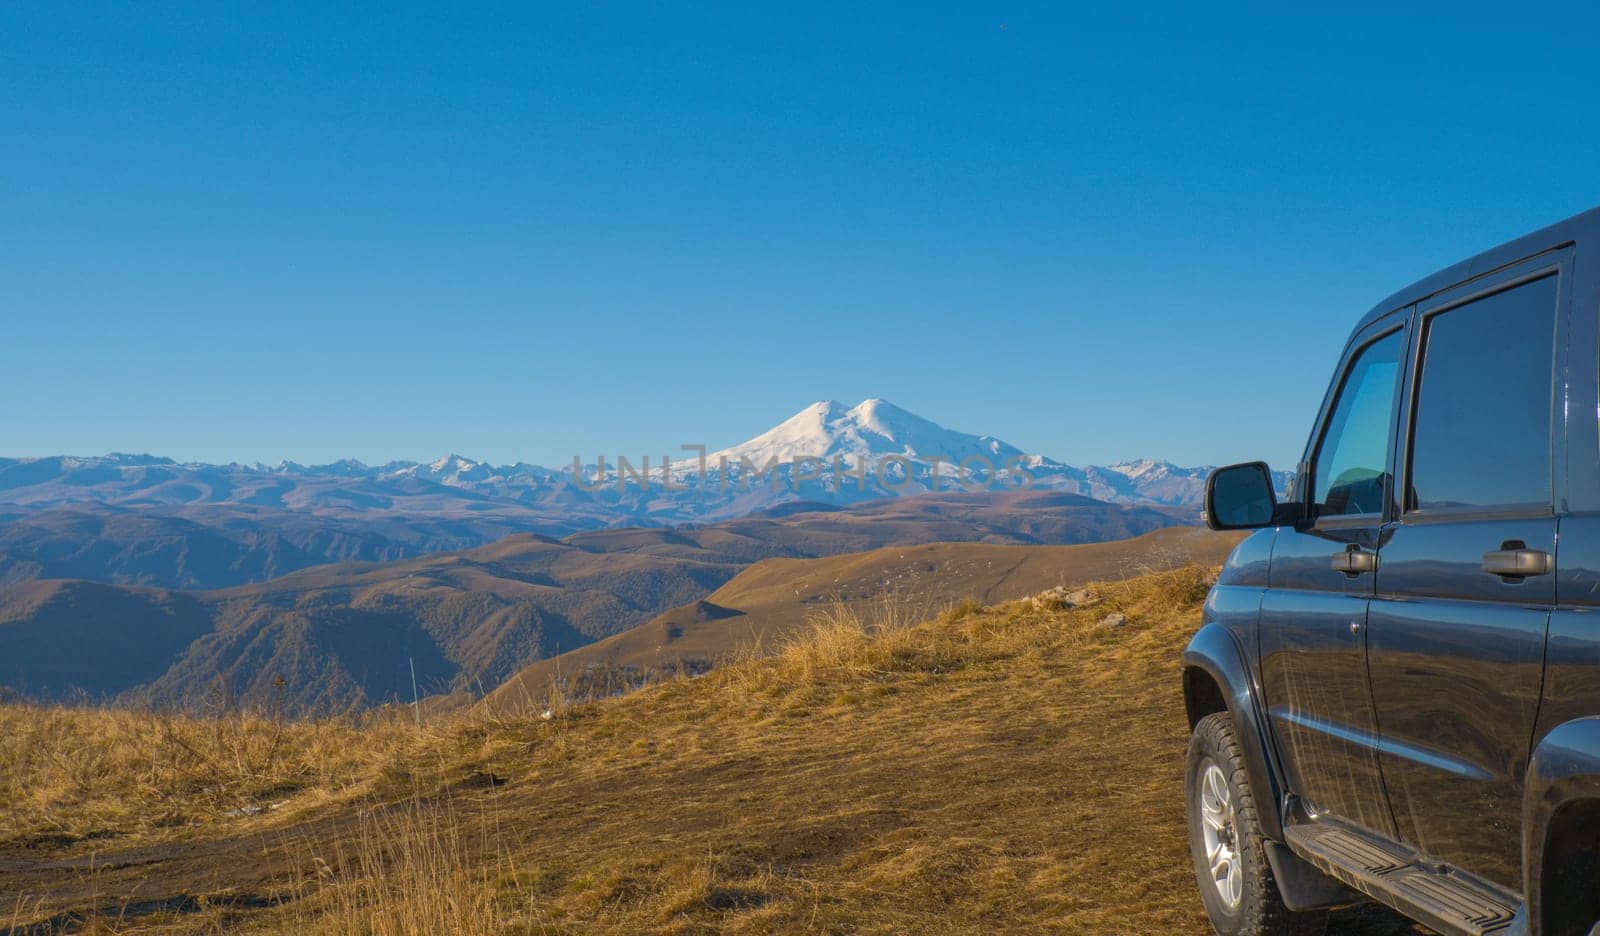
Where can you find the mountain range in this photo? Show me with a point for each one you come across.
(146, 520)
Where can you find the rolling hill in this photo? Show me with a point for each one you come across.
(348, 635)
(338, 636)
(770, 602)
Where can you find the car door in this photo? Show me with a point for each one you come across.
(1465, 585)
(1313, 667)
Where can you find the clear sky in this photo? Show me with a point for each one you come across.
(240, 233)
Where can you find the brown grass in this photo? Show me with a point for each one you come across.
(72, 774)
(410, 869)
(998, 769)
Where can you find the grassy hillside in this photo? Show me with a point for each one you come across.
(998, 769)
(767, 604)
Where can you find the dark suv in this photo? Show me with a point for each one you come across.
(1396, 691)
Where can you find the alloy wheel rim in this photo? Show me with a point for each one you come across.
(1220, 829)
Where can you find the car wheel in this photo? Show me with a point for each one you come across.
(1230, 861)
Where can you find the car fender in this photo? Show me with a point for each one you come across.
(1564, 769)
(1214, 651)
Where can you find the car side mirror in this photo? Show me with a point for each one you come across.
(1240, 497)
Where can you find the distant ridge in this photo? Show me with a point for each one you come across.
(144, 519)
(872, 429)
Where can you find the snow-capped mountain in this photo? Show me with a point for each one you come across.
(869, 430)
(452, 470)
(904, 453)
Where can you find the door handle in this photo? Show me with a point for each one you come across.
(1516, 562)
(1355, 560)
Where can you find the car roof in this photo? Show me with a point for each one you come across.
(1556, 235)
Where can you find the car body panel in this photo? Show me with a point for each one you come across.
(1456, 654)
(1313, 669)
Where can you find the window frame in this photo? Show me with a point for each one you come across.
(1395, 323)
(1513, 276)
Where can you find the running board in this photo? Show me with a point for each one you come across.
(1437, 896)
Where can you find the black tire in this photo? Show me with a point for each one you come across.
(1259, 910)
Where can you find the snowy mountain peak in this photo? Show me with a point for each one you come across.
(1143, 468)
(455, 469)
(871, 429)
(885, 418)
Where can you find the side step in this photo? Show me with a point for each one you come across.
(1441, 898)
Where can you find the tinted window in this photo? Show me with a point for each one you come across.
(1482, 435)
(1349, 467)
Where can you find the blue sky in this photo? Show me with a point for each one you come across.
(534, 232)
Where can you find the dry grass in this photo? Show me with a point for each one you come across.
(999, 769)
(411, 869)
(73, 774)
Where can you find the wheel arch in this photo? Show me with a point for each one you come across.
(1561, 830)
(1215, 678)
(1202, 693)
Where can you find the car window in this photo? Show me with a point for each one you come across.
(1348, 471)
(1482, 432)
